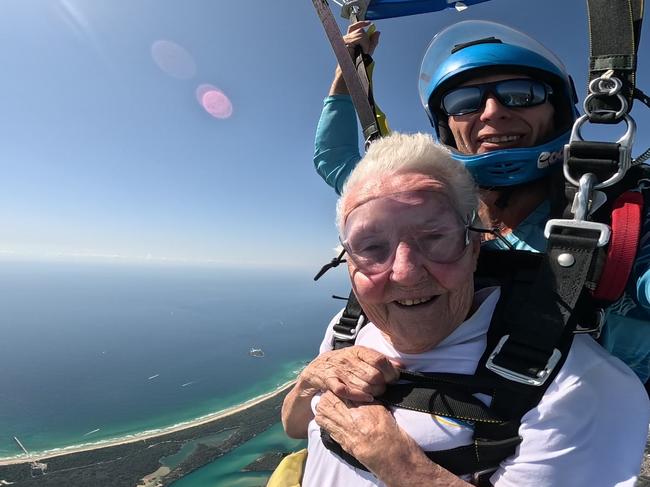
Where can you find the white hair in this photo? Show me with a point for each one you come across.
(410, 153)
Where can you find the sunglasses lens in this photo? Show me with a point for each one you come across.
(462, 100)
(514, 93)
(520, 93)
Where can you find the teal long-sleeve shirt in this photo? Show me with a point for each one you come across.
(627, 331)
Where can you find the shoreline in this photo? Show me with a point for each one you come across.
(200, 421)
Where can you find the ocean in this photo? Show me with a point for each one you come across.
(92, 352)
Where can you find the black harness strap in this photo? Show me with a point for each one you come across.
(464, 460)
(348, 326)
(614, 33)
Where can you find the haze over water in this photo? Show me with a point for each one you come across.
(91, 352)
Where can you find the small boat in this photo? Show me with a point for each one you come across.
(153, 377)
(91, 432)
(256, 352)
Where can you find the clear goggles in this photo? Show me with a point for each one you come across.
(511, 93)
(374, 230)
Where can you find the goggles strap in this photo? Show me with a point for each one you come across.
(331, 264)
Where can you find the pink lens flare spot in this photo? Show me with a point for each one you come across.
(173, 59)
(202, 90)
(216, 104)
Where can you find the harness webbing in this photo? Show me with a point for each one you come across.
(614, 34)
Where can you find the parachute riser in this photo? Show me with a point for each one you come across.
(358, 92)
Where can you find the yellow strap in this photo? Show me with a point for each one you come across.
(289, 471)
(382, 121)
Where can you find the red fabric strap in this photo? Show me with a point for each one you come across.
(626, 227)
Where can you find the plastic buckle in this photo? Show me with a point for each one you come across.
(595, 331)
(353, 333)
(477, 476)
(531, 380)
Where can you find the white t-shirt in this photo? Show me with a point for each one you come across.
(589, 429)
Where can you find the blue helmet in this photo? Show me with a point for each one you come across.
(477, 48)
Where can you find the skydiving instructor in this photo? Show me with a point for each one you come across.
(505, 106)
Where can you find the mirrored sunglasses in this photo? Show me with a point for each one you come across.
(511, 93)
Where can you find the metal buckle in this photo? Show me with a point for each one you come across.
(357, 7)
(476, 476)
(604, 230)
(537, 380)
(595, 331)
(353, 333)
(585, 200)
(625, 151)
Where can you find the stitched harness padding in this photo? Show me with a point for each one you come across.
(624, 241)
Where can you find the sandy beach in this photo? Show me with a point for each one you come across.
(146, 435)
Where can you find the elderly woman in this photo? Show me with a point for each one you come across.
(404, 220)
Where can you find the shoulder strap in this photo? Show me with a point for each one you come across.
(348, 326)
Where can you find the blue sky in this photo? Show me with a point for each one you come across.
(105, 152)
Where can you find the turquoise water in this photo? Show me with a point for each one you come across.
(227, 470)
(91, 353)
(188, 448)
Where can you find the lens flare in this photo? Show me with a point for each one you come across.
(214, 101)
(173, 59)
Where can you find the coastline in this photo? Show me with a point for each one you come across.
(144, 436)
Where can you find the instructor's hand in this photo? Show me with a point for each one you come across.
(357, 36)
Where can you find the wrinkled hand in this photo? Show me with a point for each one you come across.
(367, 431)
(354, 373)
(357, 36)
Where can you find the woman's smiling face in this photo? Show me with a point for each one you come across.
(415, 302)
